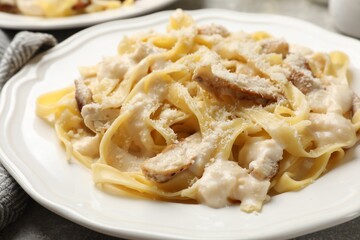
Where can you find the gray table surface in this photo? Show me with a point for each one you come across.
(40, 223)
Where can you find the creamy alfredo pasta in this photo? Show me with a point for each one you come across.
(200, 114)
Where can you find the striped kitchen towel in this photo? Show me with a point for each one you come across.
(13, 55)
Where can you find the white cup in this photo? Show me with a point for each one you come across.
(346, 16)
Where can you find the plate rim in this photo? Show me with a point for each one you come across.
(70, 213)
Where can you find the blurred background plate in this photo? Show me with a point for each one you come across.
(140, 7)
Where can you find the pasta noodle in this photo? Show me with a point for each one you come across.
(199, 114)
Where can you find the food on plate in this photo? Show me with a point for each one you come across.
(201, 114)
(60, 8)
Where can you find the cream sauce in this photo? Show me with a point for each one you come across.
(224, 180)
(261, 156)
(331, 127)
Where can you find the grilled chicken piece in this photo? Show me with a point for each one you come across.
(8, 6)
(264, 168)
(98, 119)
(222, 83)
(83, 94)
(278, 46)
(81, 5)
(300, 73)
(173, 160)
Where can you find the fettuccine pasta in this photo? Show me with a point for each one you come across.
(200, 114)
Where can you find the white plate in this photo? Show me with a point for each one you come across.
(33, 155)
(17, 21)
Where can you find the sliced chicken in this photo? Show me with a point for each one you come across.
(278, 46)
(83, 94)
(97, 118)
(222, 84)
(81, 5)
(8, 6)
(300, 73)
(174, 159)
